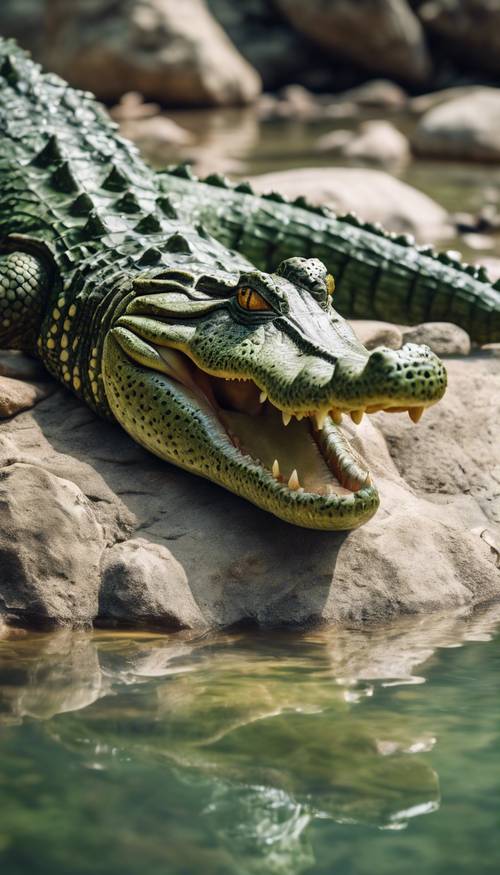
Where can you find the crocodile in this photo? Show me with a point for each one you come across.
(232, 372)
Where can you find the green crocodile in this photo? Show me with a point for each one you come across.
(112, 276)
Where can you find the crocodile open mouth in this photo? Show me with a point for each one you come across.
(307, 454)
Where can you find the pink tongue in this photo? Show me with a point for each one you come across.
(235, 395)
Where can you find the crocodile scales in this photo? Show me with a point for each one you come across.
(233, 373)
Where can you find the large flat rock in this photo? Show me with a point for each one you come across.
(374, 195)
(110, 533)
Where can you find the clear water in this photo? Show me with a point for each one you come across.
(346, 752)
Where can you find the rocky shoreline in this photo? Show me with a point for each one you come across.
(97, 531)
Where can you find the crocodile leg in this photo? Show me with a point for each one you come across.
(23, 286)
(23, 283)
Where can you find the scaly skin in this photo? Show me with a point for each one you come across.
(148, 319)
(378, 275)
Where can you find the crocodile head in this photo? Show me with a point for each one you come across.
(244, 380)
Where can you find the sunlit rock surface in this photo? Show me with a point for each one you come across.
(96, 528)
(466, 127)
(373, 194)
(171, 52)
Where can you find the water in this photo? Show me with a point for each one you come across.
(346, 752)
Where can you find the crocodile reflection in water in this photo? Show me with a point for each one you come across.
(274, 740)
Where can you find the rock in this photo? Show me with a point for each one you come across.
(376, 142)
(17, 395)
(383, 36)
(156, 136)
(478, 241)
(143, 583)
(470, 29)
(374, 195)
(50, 548)
(444, 338)
(453, 456)
(373, 334)
(464, 128)
(175, 54)
(425, 102)
(132, 106)
(376, 94)
(167, 548)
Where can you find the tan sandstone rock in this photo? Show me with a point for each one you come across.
(374, 195)
(376, 142)
(463, 128)
(127, 524)
(168, 51)
(444, 338)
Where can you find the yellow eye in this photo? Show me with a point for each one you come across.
(249, 299)
(330, 284)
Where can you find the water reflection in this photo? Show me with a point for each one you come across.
(257, 737)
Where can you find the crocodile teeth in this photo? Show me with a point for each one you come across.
(294, 482)
(415, 413)
(319, 418)
(263, 397)
(357, 415)
(276, 469)
(286, 417)
(336, 415)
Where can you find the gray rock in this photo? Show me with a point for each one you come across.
(173, 55)
(376, 142)
(143, 583)
(17, 395)
(374, 195)
(383, 36)
(50, 548)
(373, 334)
(166, 548)
(465, 128)
(444, 338)
(470, 29)
(377, 94)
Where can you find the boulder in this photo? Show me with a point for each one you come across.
(468, 29)
(376, 94)
(444, 338)
(373, 334)
(94, 527)
(17, 395)
(143, 580)
(374, 195)
(383, 36)
(50, 547)
(376, 142)
(463, 128)
(170, 52)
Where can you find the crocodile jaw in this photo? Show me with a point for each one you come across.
(181, 415)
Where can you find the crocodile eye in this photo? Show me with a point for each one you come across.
(249, 299)
(330, 284)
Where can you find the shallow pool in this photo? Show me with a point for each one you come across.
(346, 752)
